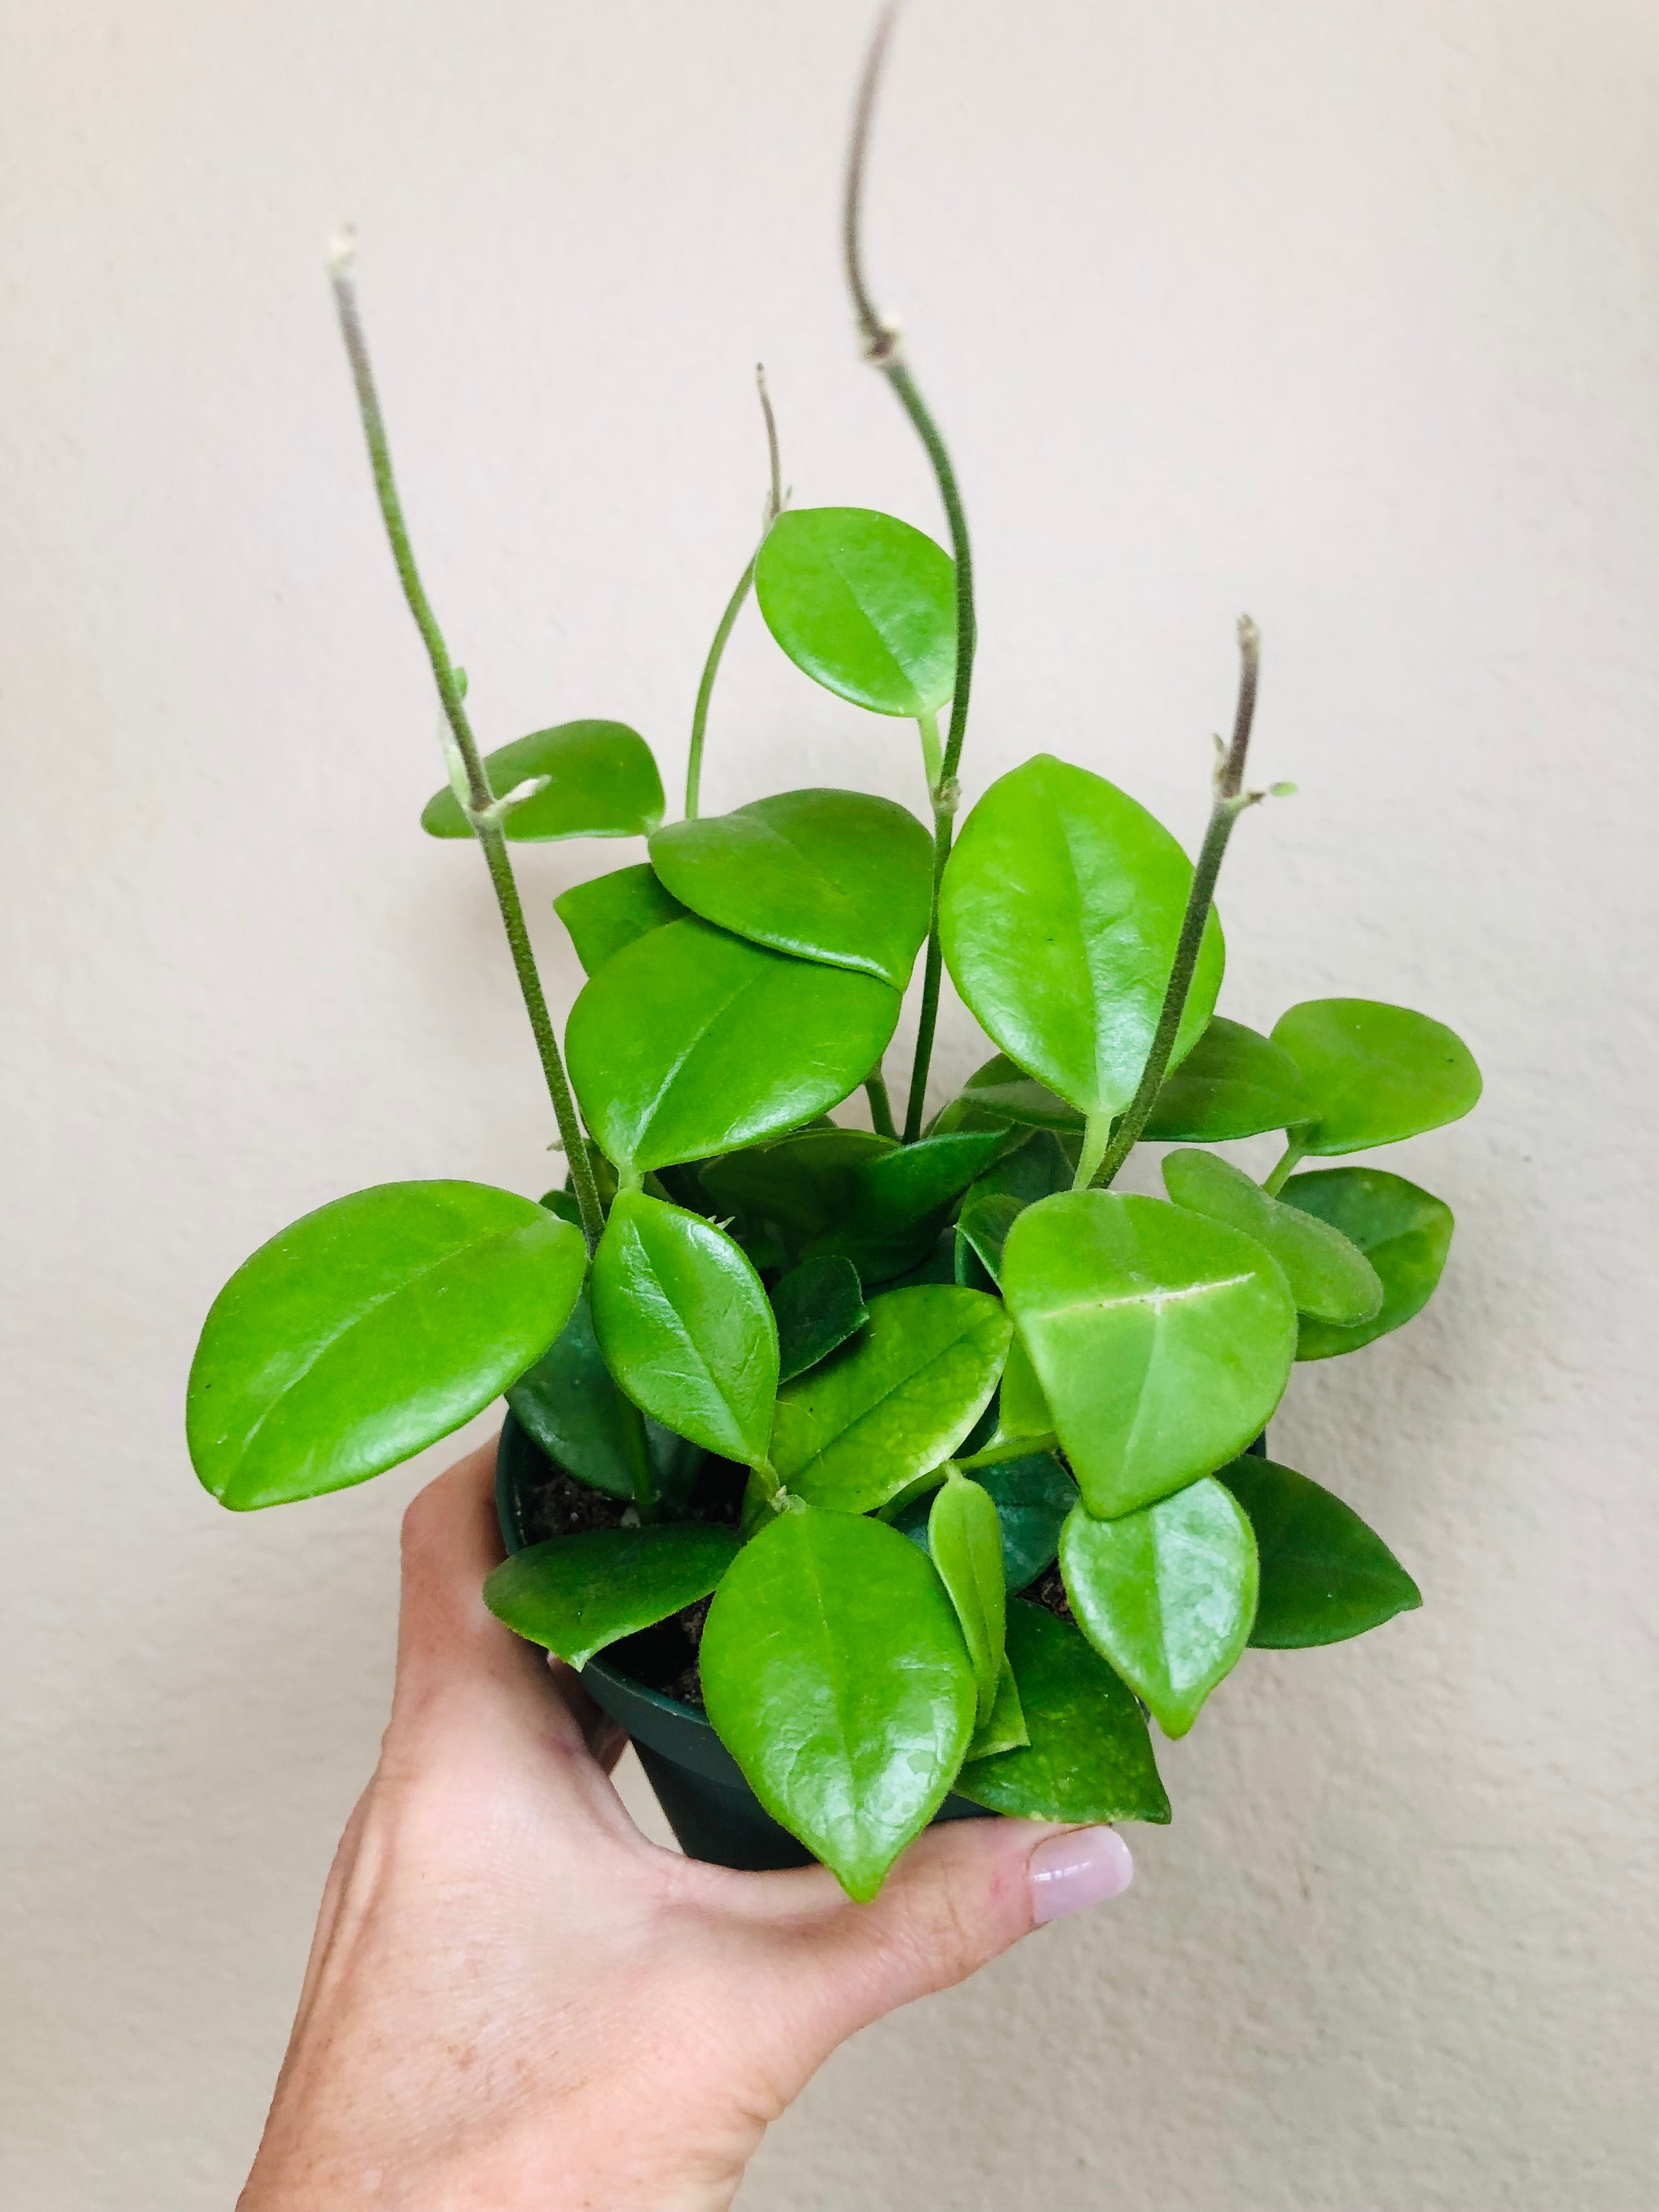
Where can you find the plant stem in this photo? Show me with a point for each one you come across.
(882, 348)
(1231, 801)
(486, 823)
(932, 758)
(636, 1447)
(711, 667)
(1295, 1148)
(1096, 1134)
(881, 1108)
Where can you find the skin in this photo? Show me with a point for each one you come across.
(515, 2002)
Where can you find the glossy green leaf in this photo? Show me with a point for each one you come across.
(1375, 1073)
(691, 1041)
(838, 876)
(894, 1402)
(612, 911)
(984, 1225)
(1162, 1340)
(1044, 1163)
(602, 782)
(803, 1184)
(864, 603)
(964, 1539)
(819, 1305)
(1032, 1496)
(569, 1404)
(1325, 1575)
(685, 1327)
(1330, 1277)
(896, 1201)
(1089, 1757)
(368, 1330)
(1404, 1232)
(1059, 917)
(1025, 1420)
(576, 1593)
(1001, 1089)
(836, 1674)
(1233, 1083)
(1003, 1727)
(1166, 1594)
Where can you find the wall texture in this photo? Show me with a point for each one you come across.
(1345, 314)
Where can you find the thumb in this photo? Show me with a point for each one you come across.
(962, 1895)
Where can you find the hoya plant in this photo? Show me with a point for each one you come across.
(922, 1449)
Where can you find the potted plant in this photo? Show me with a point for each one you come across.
(879, 1474)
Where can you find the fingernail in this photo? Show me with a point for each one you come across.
(1083, 1867)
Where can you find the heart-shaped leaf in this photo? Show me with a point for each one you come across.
(1167, 1594)
(1233, 1083)
(894, 1402)
(838, 876)
(1033, 1497)
(569, 1402)
(685, 1325)
(1375, 1074)
(1162, 1340)
(602, 782)
(576, 1593)
(819, 1305)
(836, 1676)
(964, 1540)
(1090, 1757)
(1059, 913)
(612, 911)
(1330, 1277)
(691, 1041)
(1003, 1727)
(1325, 1575)
(864, 603)
(368, 1330)
(1404, 1232)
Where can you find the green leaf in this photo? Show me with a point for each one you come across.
(1330, 1277)
(1059, 914)
(865, 604)
(612, 911)
(1162, 1341)
(1037, 1168)
(1089, 1757)
(964, 1539)
(1325, 1575)
(602, 782)
(1004, 1729)
(819, 1305)
(1032, 1496)
(576, 1593)
(685, 1325)
(1403, 1231)
(983, 1225)
(894, 1402)
(1233, 1083)
(1001, 1089)
(368, 1330)
(1024, 1418)
(1167, 1594)
(1375, 1073)
(836, 1675)
(804, 1183)
(838, 875)
(691, 1041)
(569, 1402)
(894, 1202)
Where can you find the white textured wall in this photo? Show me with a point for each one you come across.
(1347, 314)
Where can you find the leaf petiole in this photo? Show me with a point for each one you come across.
(711, 667)
(1295, 1149)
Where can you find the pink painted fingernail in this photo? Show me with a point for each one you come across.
(1083, 1867)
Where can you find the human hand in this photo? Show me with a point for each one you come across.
(514, 2002)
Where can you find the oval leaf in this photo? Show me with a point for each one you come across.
(1325, 1575)
(836, 1675)
(1167, 1594)
(819, 1305)
(1162, 1341)
(576, 1593)
(1375, 1073)
(612, 911)
(838, 876)
(964, 1540)
(1089, 1757)
(685, 1325)
(569, 1402)
(895, 1401)
(1033, 1497)
(1059, 917)
(865, 604)
(691, 1041)
(602, 782)
(1330, 1277)
(368, 1330)
(1404, 1232)
(1233, 1083)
